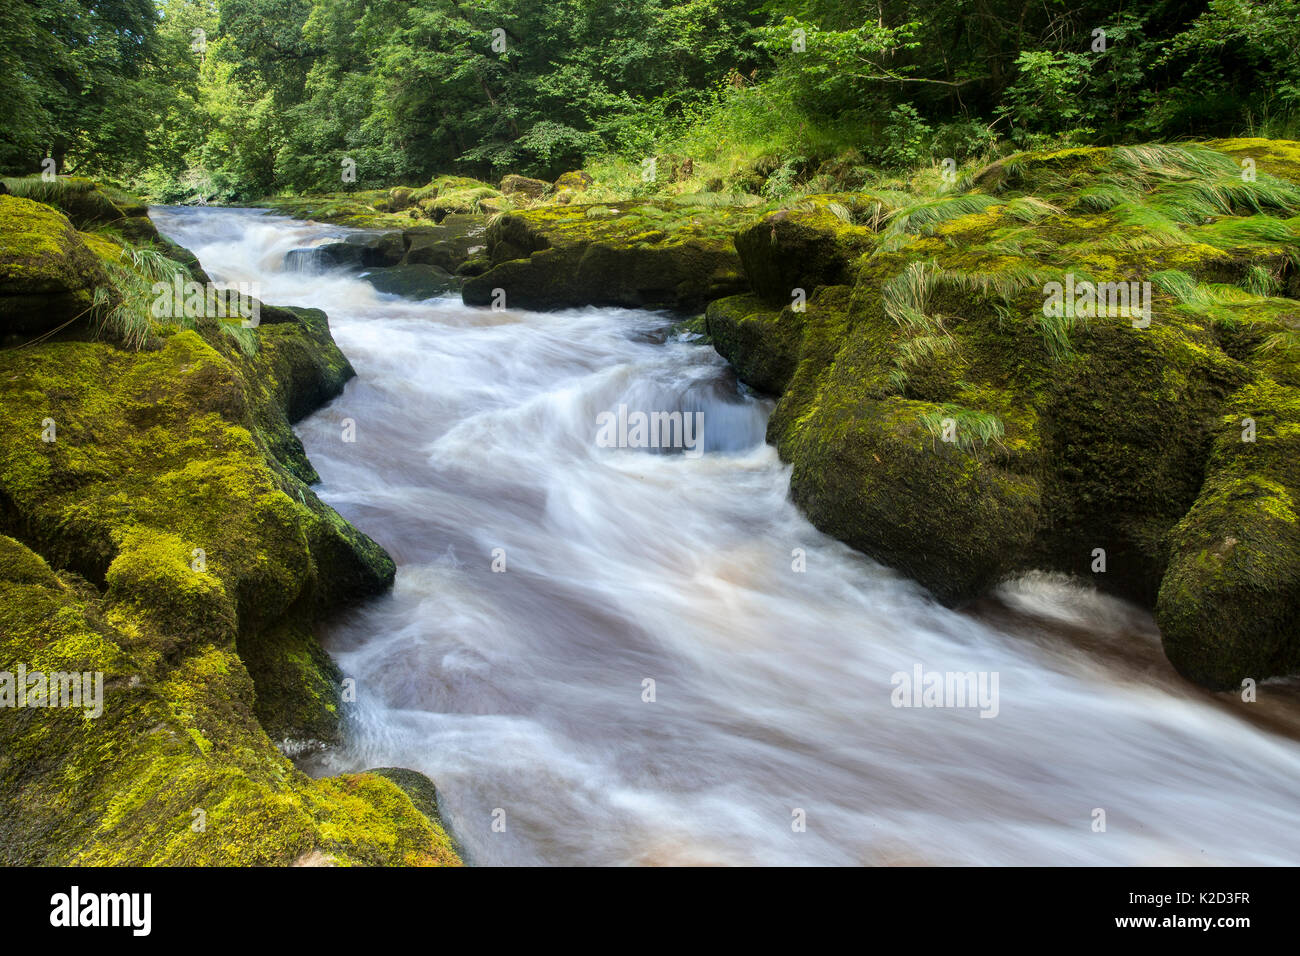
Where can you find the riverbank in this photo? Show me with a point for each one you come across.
(160, 533)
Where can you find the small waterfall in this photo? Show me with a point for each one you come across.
(306, 261)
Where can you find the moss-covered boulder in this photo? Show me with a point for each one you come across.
(578, 181)
(790, 252)
(513, 185)
(762, 344)
(48, 276)
(656, 255)
(454, 195)
(163, 764)
(160, 532)
(1229, 604)
(944, 413)
(446, 245)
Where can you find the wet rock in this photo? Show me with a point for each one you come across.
(445, 245)
(642, 256)
(412, 281)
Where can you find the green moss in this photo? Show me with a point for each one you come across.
(762, 345)
(1071, 434)
(167, 488)
(175, 770)
(47, 275)
(650, 256)
(800, 249)
(1275, 156)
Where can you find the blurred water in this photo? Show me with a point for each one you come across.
(522, 691)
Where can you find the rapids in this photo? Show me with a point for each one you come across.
(544, 579)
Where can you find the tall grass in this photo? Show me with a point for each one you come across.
(973, 429)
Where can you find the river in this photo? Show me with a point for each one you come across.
(615, 655)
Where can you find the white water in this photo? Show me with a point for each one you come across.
(522, 691)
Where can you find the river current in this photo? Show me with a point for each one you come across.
(618, 655)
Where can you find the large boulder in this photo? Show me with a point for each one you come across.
(446, 245)
(790, 252)
(762, 344)
(941, 413)
(359, 250)
(412, 281)
(641, 256)
(513, 185)
(48, 276)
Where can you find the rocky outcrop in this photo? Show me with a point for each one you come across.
(640, 255)
(417, 263)
(942, 417)
(47, 275)
(157, 528)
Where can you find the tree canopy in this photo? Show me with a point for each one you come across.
(241, 98)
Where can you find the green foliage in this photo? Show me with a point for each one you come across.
(772, 100)
(907, 138)
(974, 429)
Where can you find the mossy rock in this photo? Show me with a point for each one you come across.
(575, 181)
(1278, 157)
(180, 459)
(938, 416)
(421, 790)
(174, 768)
(791, 252)
(169, 538)
(455, 195)
(400, 198)
(522, 185)
(48, 276)
(445, 245)
(365, 209)
(299, 687)
(1229, 605)
(651, 255)
(762, 344)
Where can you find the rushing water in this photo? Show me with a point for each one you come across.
(522, 692)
